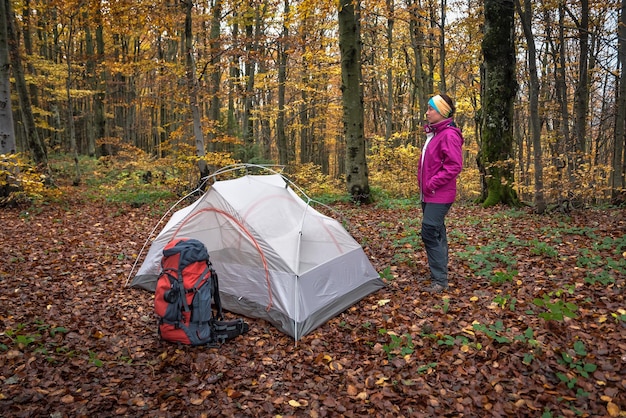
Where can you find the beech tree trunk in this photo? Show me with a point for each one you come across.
(7, 132)
(389, 113)
(70, 103)
(581, 94)
(192, 86)
(619, 159)
(499, 86)
(247, 126)
(419, 93)
(214, 87)
(526, 15)
(281, 137)
(35, 144)
(352, 99)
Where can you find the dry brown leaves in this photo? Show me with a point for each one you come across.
(76, 342)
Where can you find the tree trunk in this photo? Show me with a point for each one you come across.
(70, 103)
(100, 77)
(192, 87)
(304, 106)
(281, 137)
(214, 87)
(247, 120)
(7, 131)
(535, 123)
(389, 116)
(442, 49)
(232, 127)
(36, 145)
(619, 146)
(352, 99)
(499, 87)
(420, 95)
(581, 94)
(90, 66)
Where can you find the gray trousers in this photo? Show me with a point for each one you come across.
(435, 240)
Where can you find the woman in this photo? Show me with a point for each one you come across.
(439, 166)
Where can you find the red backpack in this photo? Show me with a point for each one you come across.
(184, 292)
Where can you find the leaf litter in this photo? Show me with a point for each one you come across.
(533, 323)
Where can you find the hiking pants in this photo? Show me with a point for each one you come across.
(436, 241)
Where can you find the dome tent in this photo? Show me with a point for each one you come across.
(277, 258)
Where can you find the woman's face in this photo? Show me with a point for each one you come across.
(432, 116)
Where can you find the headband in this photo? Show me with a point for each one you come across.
(440, 105)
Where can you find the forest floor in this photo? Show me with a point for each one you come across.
(533, 323)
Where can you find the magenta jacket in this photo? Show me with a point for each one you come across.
(441, 162)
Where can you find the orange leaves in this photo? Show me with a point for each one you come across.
(64, 309)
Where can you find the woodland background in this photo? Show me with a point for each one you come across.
(107, 115)
(175, 83)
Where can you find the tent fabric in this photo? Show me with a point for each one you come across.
(277, 258)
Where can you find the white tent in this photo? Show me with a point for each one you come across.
(276, 257)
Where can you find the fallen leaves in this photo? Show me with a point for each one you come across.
(72, 332)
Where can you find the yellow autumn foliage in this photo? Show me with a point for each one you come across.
(393, 168)
(20, 183)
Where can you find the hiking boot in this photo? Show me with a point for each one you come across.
(435, 288)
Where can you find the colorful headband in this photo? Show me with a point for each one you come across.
(440, 105)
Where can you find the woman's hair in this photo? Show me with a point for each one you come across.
(448, 100)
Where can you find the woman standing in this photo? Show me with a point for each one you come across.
(439, 166)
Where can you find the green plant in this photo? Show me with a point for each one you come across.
(386, 274)
(426, 367)
(541, 248)
(493, 331)
(405, 246)
(485, 260)
(446, 305)
(528, 337)
(557, 310)
(500, 277)
(578, 367)
(503, 300)
(399, 345)
(93, 358)
(576, 362)
(620, 315)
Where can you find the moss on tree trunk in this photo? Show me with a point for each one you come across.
(352, 98)
(499, 86)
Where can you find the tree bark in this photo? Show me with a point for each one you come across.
(7, 131)
(389, 115)
(499, 87)
(581, 94)
(619, 146)
(70, 103)
(192, 86)
(248, 99)
(36, 145)
(352, 99)
(100, 77)
(420, 95)
(90, 66)
(442, 48)
(281, 137)
(526, 15)
(214, 87)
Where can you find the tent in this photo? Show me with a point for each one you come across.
(277, 258)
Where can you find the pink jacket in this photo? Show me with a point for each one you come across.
(441, 162)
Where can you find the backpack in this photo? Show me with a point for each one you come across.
(185, 289)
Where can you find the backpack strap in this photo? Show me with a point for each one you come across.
(216, 292)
